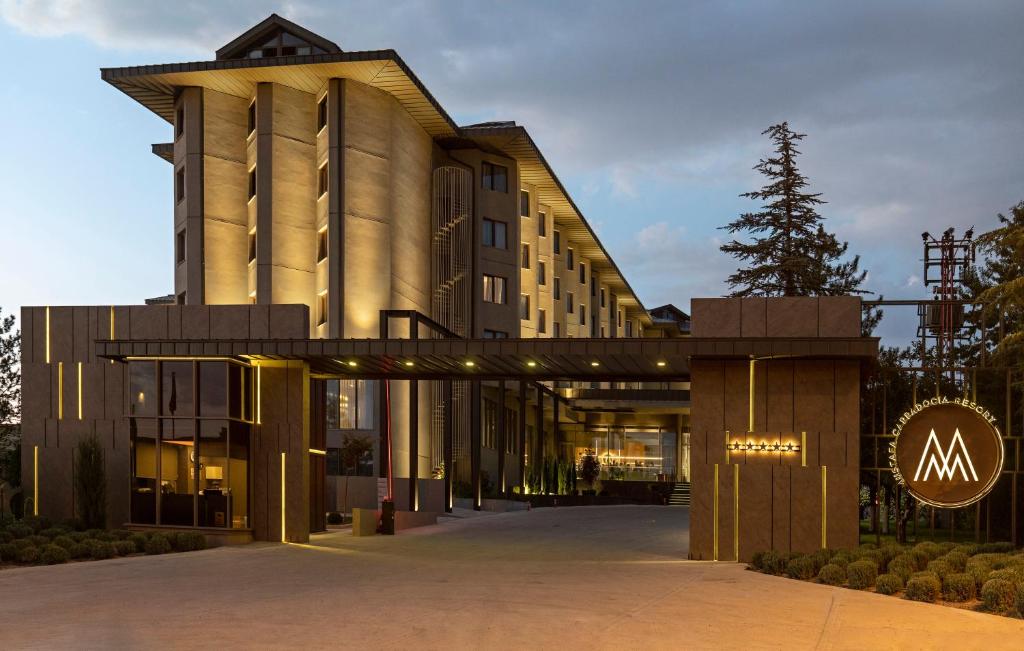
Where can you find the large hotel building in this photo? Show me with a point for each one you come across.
(370, 301)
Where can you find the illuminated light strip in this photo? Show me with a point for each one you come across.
(79, 390)
(282, 496)
(112, 337)
(259, 420)
(47, 334)
(60, 390)
(322, 453)
(803, 449)
(752, 446)
(35, 480)
(736, 511)
(714, 516)
(750, 427)
(824, 511)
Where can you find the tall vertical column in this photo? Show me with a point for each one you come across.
(522, 437)
(502, 438)
(384, 411)
(475, 442)
(537, 454)
(264, 191)
(414, 426)
(449, 447)
(188, 196)
(335, 208)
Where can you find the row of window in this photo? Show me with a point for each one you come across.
(489, 431)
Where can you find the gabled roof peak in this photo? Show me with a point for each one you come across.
(276, 36)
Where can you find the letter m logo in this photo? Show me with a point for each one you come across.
(934, 457)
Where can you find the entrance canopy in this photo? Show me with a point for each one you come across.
(536, 359)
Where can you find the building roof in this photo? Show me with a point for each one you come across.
(156, 86)
(270, 25)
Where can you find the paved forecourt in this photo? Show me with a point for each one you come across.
(593, 577)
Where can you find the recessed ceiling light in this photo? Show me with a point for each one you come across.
(661, 363)
(353, 363)
(470, 363)
(595, 363)
(531, 363)
(409, 363)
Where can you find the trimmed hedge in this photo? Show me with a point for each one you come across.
(54, 555)
(888, 584)
(801, 567)
(832, 574)
(1019, 600)
(940, 568)
(998, 595)
(157, 544)
(124, 547)
(923, 588)
(958, 587)
(957, 560)
(903, 566)
(861, 574)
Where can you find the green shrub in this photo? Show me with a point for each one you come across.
(139, 540)
(801, 567)
(821, 558)
(121, 534)
(923, 587)
(78, 536)
(1012, 574)
(5, 536)
(71, 524)
(28, 554)
(187, 541)
(876, 556)
(903, 566)
(861, 574)
(124, 547)
(998, 595)
(20, 530)
(929, 549)
(773, 562)
(157, 544)
(63, 541)
(335, 518)
(80, 550)
(921, 558)
(889, 552)
(926, 574)
(1019, 601)
(93, 533)
(38, 540)
(940, 567)
(958, 587)
(106, 536)
(968, 549)
(980, 574)
(832, 574)
(8, 552)
(53, 555)
(842, 558)
(756, 561)
(90, 482)
(868, 546)
(102, 550)
(995, 548)
(22, 543)
(957, 560)
(888, 584)
(53, 532)
(38, 522)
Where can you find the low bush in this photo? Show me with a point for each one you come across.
(78, 536)
(71, 524)
(139, 540)
(921, 558)
(22, 543)
(876, 556)
(53, 532)
(832, 574)
(5, 536)
(940, 568)
(38, 540)
(995, 548)
(1019, 601)
(998, 595)
(773, 562)
(80, 550)
(821, 558)
(979, 573)
(54, 555)
(28, 554)
(121, 534)
(106, 536)
(903, 566)
(335, 518)
(20, 530)
(801, 567)
(756, 561)
(958, 587)
(102, 550)
(92, 533)
(929, 549)
(124, 547)
(842, 558)
(889, 552)
(888, 584)
(956, 559)
(861, 574)
(38, 522)
(923, 587)
(63, 541)
(968, 549)
(157, 544)
(9, 552)
(188, 541)
(1014, 575)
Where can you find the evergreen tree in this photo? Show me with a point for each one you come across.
(791, 253)
(999, 285)
(91, 483)
(10, 401)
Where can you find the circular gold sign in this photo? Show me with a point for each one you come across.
(947, 452)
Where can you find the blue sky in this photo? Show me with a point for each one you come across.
(650, 113)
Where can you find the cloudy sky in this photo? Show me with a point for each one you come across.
(650, 113)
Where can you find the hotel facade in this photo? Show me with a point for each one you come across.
(355, 271)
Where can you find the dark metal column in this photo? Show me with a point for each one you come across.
(556, 430)
(537, 454)
(502, 438)
(414, 426)
(449, 432)
(522, 437)
(475, 442)
(384, 469)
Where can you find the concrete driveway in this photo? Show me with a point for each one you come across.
(568, 578)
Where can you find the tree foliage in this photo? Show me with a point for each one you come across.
(999, 284)
(91, 483)
(590, 468)
(10, 401)
(791, 253)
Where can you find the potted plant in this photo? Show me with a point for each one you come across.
(589, 471)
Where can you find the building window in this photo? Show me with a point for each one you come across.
(179, 184)
(542, 321)
(321, 244)
(570, 260)
(593, 286)
(350, 405)
(524, 203)
(511, 431)
(494, 289)
(321, 308)
(489, 433)
(252, 117)
(570, 302)
(495, 234)
(558, 242)
(542, 224)
(180, 300)
(252, 182)
(629, 328)
(252, 246)
(526, 256)
(583, 274)
(494, 177)
(179, 122)
(558, 288)
(495, 334)
(322, 181)
(179, 246)
(524, 307)
(558, 330)
(583, 314)
(619, 321)
(542, 273)
(602, 297)
(321, 114)
(602, 332)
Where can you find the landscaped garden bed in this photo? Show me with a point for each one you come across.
(988, 577)
(37, 541)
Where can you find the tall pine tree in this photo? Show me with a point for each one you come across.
(791, 253)
(998, 285)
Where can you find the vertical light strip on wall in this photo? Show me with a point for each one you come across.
(750, 426)
(259, 421)
(282, 496)
(824, 511)
(736, 511)
(803, 449)
(714, 517)
(47, 334)
(60, 390)
(112, 337)
(35, 480)
(79, 390)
